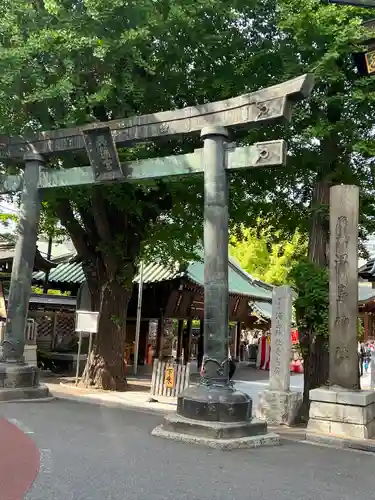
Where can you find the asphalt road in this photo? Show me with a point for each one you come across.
(94, 453)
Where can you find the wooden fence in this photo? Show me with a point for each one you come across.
(31, 330)
(56, 330)
(169, 379)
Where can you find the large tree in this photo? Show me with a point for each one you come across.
(67, 63)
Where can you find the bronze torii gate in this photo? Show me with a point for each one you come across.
(100, 140)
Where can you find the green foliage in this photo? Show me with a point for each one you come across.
(310, 283)
(50, 226)
(263, 253)
(63, 67)
(7, 219)
(116, 320)
(39, 291)
(330, 138)
(66, 66)
(360, 330)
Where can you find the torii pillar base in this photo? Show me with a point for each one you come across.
(20, 382)
(217, 417)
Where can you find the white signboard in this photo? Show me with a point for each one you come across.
(87, 321)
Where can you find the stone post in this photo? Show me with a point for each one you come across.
(342, 409)
(237, 342)
(18, 380)
(180, 333)
(281, 340)
(159, 337)
(200, 345)
(372, 371)
(278, 405)
(343, 286)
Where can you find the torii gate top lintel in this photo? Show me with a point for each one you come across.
(259, 107)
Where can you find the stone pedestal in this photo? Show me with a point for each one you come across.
(221, 435)
(342, 413)
(278, 407)
(218, 417)
(20, 381)
(30, 355)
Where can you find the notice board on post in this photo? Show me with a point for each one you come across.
(87, 321)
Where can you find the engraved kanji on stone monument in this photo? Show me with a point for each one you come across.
(343, 286)
(281, 340)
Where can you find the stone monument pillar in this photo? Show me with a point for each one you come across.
(342, 409)
(278, 405)
(343, 287)
(18, 380)
(372, 371)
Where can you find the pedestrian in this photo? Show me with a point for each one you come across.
(366, 356)
(242, 351)
(361, 357)
(232, 365)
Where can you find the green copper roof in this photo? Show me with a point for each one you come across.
(263, 308)
(365, 293)
(240, 283)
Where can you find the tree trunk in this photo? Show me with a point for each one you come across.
(315, 347)
(319, 228)
(315, 367)
(106, 367)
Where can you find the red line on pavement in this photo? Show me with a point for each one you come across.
(19, 462)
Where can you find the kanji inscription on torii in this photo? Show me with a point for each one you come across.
(100, 140)
(102, 153)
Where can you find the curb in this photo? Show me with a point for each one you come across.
(47, 399)
(108, 404)
(304, 437)
(289, 433)
(367, 446)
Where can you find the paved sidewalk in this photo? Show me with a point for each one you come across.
(132, 399)
(247, 379)
(251, 381)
